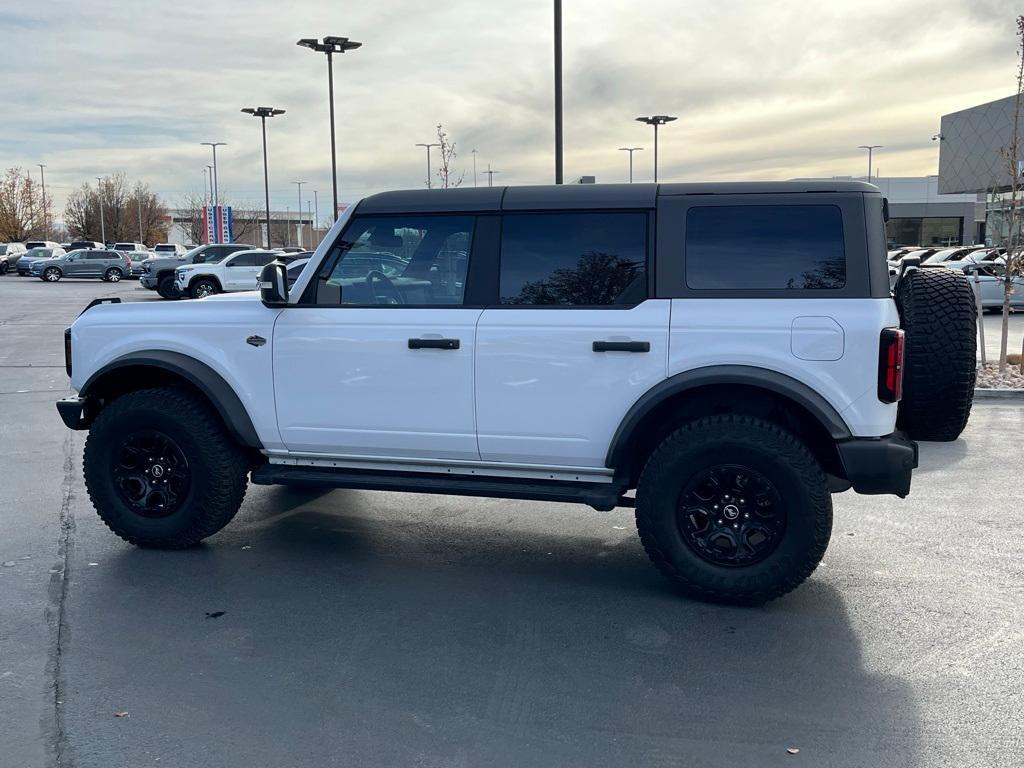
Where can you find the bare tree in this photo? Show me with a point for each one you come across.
(24, 210)
(123, 207)
(444, 171)
(1011, 155)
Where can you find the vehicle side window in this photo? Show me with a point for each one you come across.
(263, 258)
(758, 247)
(101, 255)
(242, 260)
(416, 259)
(574, 259)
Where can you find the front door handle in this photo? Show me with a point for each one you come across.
(622, 346)
(433, 343)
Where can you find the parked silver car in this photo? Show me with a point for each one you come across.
(9, 255)
(987, 279)
(107, 265)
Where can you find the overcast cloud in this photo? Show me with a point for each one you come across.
(763, 90)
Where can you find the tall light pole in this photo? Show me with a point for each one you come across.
(558, 91)
(331, 45)
(42, 181)
(870, 148)
(216, 188)
(312, 231)
(263, 113)
(631, 150)
(490, 175)
(141, 240)
(209, 192)
(99, 196)
(656, 120)
(474, 166)
(428, 146)
(316, 213)
(299, 224)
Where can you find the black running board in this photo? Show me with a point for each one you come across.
(601, 496)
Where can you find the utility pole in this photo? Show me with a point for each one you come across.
(558, 91)
(99, 196)
(631, 150)
(298, 226)
(428, 146)
(42, 181)
(870, 148)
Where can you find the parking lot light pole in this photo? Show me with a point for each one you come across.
(331, 45)
(216, 189)
(631, 150)
(316, 213)
(99, 197)
(559, 147)
(428, 146)
(870, 148)
(298, 225)
(263, 113)
(656, 120)
(42, 181)
(490, 175)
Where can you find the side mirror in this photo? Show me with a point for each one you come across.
(274, 284)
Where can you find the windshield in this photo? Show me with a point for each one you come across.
(164, 248)
(139, 255)
(40, 253)
(209, 257)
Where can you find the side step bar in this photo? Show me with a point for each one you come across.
(601, 496)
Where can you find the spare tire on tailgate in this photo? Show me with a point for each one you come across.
(939, 317)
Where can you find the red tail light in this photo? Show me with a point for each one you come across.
(890, 365)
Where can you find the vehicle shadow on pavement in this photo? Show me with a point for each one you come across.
(941, 457)
(393, 629)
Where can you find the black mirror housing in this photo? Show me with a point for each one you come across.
(274, 284)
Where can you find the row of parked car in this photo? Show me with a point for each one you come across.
(168, 268)
(985, 267)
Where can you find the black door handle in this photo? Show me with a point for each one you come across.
(622, 346)
(433, 343)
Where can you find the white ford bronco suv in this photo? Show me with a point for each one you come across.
(722, 357)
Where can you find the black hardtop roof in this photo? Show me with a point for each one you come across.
(568, 196)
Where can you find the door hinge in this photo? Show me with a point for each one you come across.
(256, 341)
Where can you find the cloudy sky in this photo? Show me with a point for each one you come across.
(767, 89)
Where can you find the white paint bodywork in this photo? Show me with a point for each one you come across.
(525, 394)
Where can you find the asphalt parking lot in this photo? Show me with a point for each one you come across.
(360, 629)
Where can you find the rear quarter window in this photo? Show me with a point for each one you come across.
(765, 247)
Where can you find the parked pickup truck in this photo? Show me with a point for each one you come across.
(158, 273)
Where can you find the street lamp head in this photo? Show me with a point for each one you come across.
(428, 145)
(262, 111)
(213, 143)
(657, 119)
(341, 44)
(309, 42)
(631, 149)
(870, 146)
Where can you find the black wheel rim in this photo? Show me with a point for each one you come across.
(151, 474)
(731, 515)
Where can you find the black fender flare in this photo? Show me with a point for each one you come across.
(762, 378)
(201, 376)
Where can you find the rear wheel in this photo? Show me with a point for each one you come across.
(4, 266)
(202, 287)
(113, 275)
(166, 288)
(52, 274)
(734, 509)
(161, 469)
(938, 313)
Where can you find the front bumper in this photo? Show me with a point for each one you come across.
(74, 412)
(876, 465)
(148, 281)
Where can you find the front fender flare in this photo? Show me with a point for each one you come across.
(201, 376)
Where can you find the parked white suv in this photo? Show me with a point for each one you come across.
(172, 250)
(731, 352)
(238, 271)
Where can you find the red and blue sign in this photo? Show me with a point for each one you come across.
(217, 224)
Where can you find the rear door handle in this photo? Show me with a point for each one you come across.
(433, 343)
(622, 346)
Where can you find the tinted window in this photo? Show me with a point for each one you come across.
(410, 259)
(583, 259)
(98, 254)
(243, 260)
(263, 258)
(766, 247)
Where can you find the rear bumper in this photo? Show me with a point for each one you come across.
(876, 465)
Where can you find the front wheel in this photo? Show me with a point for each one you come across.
(166, 288)
(734, 509)
(113, 275)
(162, 470)
(202, 288)
(52, 274)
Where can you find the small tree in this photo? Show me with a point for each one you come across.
(24, 210)
(444, 171)
(1011, 155)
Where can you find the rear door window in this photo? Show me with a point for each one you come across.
(765, 247)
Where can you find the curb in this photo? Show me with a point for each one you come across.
(1013, 395)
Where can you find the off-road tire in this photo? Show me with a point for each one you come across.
(51, 275)
(113, 275)
(219, 468)
(195, 290)
(770, 450)
(938, 313)
(166, 288)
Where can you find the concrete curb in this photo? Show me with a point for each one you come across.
(1005, 394)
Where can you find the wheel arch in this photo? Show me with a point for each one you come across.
(155, 368)
(726, 389)
(205, 276)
